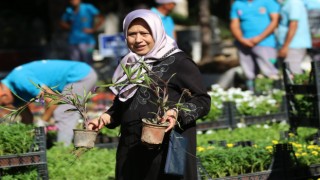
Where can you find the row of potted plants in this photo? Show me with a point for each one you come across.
(223, 153)
(16, 139)
(22, 146)
(233, 159)
(246, 102)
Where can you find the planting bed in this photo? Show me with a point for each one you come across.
(36, 157)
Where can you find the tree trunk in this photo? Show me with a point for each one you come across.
(206, 32)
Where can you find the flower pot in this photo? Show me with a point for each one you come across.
(84, 138)
(152, 134)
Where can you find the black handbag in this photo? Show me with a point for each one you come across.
(177, 154)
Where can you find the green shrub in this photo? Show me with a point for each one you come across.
(19, 173)
(15, 138)
(95, 164)
(221, 161)
(247, 103)
(110, 132)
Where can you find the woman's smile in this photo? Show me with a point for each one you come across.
(139, 37)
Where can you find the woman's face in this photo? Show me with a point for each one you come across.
(139, 37)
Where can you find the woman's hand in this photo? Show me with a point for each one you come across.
(98, 123)
(171, 117)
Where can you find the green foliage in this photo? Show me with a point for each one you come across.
(78, 102)
(214, 113)
(226, 161)
(140, 74)
(263, 84)
(63, 162)
(96, 164)
(15, 138)
(301, 78)
(110, 132)
(303, 105)
(231, 160)
(261, 134)
(13, 113)
(221, 162)
(264, 107)
(19, 173)
(247, 103)
(68, 163)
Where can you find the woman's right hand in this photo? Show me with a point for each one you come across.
(98, 123)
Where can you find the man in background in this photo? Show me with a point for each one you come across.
(79, 19)
(252, 24)
(163, 9)
(293, 34)
(16, 89)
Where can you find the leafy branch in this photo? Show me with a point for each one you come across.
(140, 74)
(15, 112)
(55, 97)
(78, 102)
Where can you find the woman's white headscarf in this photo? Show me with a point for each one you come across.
(164, 46)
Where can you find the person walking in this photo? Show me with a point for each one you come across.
(146, 39)
(252, 24)
(61, 74)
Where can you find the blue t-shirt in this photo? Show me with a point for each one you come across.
(294, 10)
(312, 4)
(167, 22)
(254, 18)
(84, 18)
(52, 73)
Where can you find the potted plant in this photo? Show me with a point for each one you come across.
(82, 137)
(153, 129)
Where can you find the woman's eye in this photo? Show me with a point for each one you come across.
(132, 34)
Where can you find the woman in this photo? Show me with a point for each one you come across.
(146, 39)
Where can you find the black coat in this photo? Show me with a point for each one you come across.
(135, 161)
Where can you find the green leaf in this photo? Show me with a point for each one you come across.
(125, 70)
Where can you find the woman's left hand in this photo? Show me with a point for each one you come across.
(171, 117)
